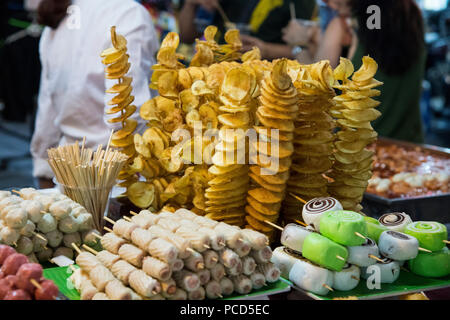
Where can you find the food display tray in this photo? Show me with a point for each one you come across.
(60, 276)
(431, 207)
(406, 283)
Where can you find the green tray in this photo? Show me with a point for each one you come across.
(406, 283)
(61, 276)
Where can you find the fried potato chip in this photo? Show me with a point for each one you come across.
(279, 178)
(120, 87)
(276, 114)
(259, 216)
(208, 116)
(167, 84)
(279, 75)
(355, 124)
(128, 128)
(203, 57)
(216, 170)
(311, 164)
(225, 201)
(254, 54)
(352, 167)
(119, 73)
(312, 150)
(171, 40)
(121, 143)
(319, 137)
(232, 37)
(305, 180)
(276, 124)
(184, 79)
(357, 95)
(125, 103)
(265, 196)
(361, 104)
(266, 134)
(367, 71)
(141, 146)
(310, 127)
(348, 158)
(350, 135)
(167, 57)
(228, 176)
(361, 115)
(237, 120)
(271, 187)
(128, 112)
(351, 147)
(344, 70)
(346, 191)
(277, 149)
(308, 192)
(141, 194)
(199, 88)
(152, 138)
(216, 74)
(188, 100)
(264, 208)
(196, 73)
(218, 208)
(233, 184)
(237, 84)
(225, 215)
(192, 117)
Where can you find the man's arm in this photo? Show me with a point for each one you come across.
(186, 18)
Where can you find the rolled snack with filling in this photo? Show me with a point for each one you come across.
(132, 254)
(39, 242)
(313, 210)
(210, 258)
(177, 265)
(179, 242)
(115, 290)
(107, 258)
(186, 280)
(144, 284)
(395, 221)
(227, 286)
(257, 240)
(100, 276)
(9, 236)
(70, 238)
(258, 280)
(389, 270)
(78, 210)
(217, 239)
(90, 237)
(168, 287)
(270, 271)
(293, 236)
(236, 270)
(242, 284)
(362, 255)
(156, 268)
(198, 241)
(87, 261)
(45, 200)
(248, 265)
(169, 224)
(87, 290)
(229, 258)
(68, 224)
(28, 229)
(261, 256)
(16, 218)
(112, 242)
(85, 221)
(243, 248)
(145, 220)
(63, 251)
(142, 238)
(197, 294)
(122, 270)
(398, 246)
(47, 223)
(346, 279)
(45, 255)
(180, 294)
(54, 238)
(163, 250)
(124, 229)
(204, 276)
(185, 214)
(311, 277)
(33, 209)
(284, 258)
(213, 289)
(189, 224)
(195, 262)
(205, 222)
(24, 245)
(217, 272)
(100, 296)
(232, 236)
(60, 209)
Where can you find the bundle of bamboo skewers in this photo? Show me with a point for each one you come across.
(87, 176)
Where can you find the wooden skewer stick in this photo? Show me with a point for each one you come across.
(301, 222)
(220, 296)
(273, 225)
(340, 258)
(446, 241)
(222, 243)
(109, 220)
(126, 218)
(86, 247)
(17, 192)
(200, 266)
(97, 235)
(328, 287)
(298, 198)
(190, 250)
(35, 283)
(404, 269)
(360, 235)
(43, 212)
(206, 246)
(375, 258)
(214, 259)
(133, 213)
(425, 250)
(354, 277)
(108, 229)
(76, 248)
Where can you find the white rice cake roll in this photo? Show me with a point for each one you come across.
(16, 218)
(398, 246)
(33, 209)
(195, 262)
(70, 238)
(217, 272)
(270, 271)
(197, 294)
(132, 254)
(217, 239)
(293, 236)
(310, 277)
(283, 261)
(227, 286)
(39, 242)
(100, 276)
(204, 276)
(163, 250)
(124, 229)
(60, 209)
(63, 251)
(112, 242)
(68, 224)
(177, 265)
(100, 296)
(261, 256)
(156, 268)
(25, 245)
(258, 280)
(229, 258)
(242, 284)
(9, 236)
(346, 279)
(180, 294)
(47, 223)
(107, 258)
(243, 248)
(257, 240)
(45, 255)
(28, 229)
(186, 280)
(87, 261)
(248, 265)
(115, 290)
(210, 258)
(388, 270)
(142, 238)
(232, 236)
(361, 255)
(213, 289)
(122, 270)
(144, 284)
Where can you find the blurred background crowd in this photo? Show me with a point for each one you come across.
(52, 78)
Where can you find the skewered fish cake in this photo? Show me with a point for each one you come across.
(115, 290)
(258, 280)
(122, 270)
(217, 239)
(248, 265)
(186, 280)
(156, 268)
(33, 209)
(213, 290)
(144, 284)
(54, 238)
(242, 284)
(194, 262)
(217, 272)
(197, 294)
(88, 290)
(257, 240)
(232, 236)
(107, 258)
(210, 257)
(227, 286)
(180, 294)
(63, 251)
(204, 276)
(87, 261)
(179, 242)
(124, 229)
(163, 250)
(198, 241)
(270, 271)
(100, 296)
(177, 265)
(99, 275)
(142, 238)
(70, 238)
(16, 218)
(60, 209)
(145, 220)
(168, 288)
(229, 258)
(112, 242)
(132, 254)
(263, 255)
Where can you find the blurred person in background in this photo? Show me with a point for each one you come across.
(72, 99)
(398, 47)
(260, 21)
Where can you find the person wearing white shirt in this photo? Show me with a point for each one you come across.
(72, 99)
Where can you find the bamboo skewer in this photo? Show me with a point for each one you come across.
(302, 223)
(425, 250)
(298, 198)
(375, 258)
